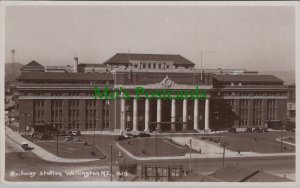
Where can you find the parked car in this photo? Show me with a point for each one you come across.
(142, 134)
(129, 135)
(25, 146)
(69, 138)
(76, 133)
(120, 138)
(249, 129)
(260, 129)
(232, 130)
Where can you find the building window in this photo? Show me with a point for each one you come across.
(149, 65)
(154, 65)
(271, 109)
(159, 66)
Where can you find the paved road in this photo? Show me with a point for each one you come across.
(29, 162)
(18, 160)
(12, 146)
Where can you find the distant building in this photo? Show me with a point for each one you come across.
(149, 61)
(33, 66)
(230, 71)
(67, 68)
(90, 67)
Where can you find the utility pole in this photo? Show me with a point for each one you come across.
(282, 125)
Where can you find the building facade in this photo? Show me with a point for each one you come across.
(67, 101)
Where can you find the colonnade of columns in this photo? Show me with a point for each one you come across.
(159, 115)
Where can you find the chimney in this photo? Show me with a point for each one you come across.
(75, 64)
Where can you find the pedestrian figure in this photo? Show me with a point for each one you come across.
(255, 139)
(200, 150)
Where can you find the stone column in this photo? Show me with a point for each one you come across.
(184, 115)
(250, 113)
(236, 109)
(123, 115)
(173, 115)
(206, 124)
(196, 114)
(158, 128)
(135, 115)
(264, 113)
(147, 113)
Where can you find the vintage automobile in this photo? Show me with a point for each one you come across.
(143, 134)
(69, 138)
(25, 146)
(120, 138)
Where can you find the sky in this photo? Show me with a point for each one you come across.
(254, 38)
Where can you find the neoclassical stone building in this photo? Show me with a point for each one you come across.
(65, 100)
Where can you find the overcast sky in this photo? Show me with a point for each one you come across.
(255, 38)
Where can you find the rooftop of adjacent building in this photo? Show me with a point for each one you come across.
(125, 58)
(67, 76)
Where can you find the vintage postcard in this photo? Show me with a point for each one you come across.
(144, 92)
